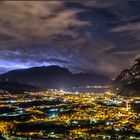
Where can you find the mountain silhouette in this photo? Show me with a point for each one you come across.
(127, 83)
(54, 77)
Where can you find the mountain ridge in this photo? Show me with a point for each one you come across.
(127, 83)
(52, 77)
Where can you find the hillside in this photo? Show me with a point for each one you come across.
(128, 81)
(52, 77)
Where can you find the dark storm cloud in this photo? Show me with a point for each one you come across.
(91, 36)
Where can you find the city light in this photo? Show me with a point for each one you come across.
(78, 115)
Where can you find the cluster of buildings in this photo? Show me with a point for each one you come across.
(56, 114)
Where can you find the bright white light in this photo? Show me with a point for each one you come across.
(61, 90)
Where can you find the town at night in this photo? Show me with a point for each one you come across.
(56, 114)
(70, 70)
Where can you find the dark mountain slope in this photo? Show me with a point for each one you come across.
(128, 81)
(52, 77)
(18, 88)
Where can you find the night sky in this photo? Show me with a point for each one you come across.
(100, 36)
